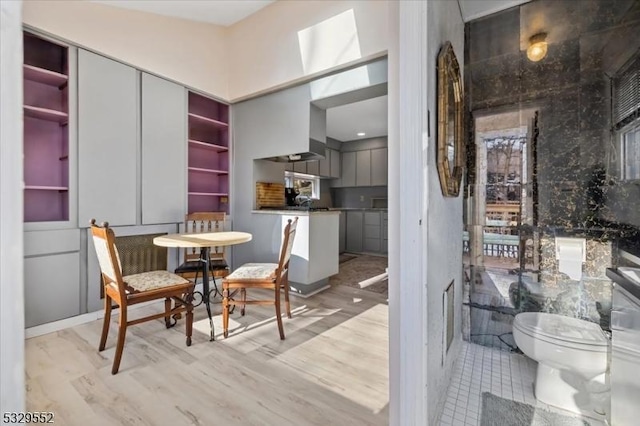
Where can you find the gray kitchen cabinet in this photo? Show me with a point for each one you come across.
(300, 167)
(335, 164)
(288, 167)
(379, 167)
(372, 234)
(363, 168)
(324, 166)
(313, 168)
(51, 275)
(108, 140)
(385, 233)
(164, 120)
(342, 234)
(348, 175)
(354, 231)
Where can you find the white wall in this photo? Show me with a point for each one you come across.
(189, 52)
(265, 48)
(12, 381)
(444, 216)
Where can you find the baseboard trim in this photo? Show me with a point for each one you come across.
(52, 327)
(306, 296)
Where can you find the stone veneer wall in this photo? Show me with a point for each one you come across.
(588, 41)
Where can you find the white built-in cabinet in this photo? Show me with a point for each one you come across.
(108, 96)
(164, 130)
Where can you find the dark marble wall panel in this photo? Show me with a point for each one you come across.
(570, 88)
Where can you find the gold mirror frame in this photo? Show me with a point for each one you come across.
(450, 122)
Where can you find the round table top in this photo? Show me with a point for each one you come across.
(204, 239)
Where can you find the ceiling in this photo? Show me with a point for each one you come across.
(474, 9)
(219, 12)
(343, 122)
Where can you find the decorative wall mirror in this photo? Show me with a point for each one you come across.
(450, 154)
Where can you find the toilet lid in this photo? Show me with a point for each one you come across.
(562, 328)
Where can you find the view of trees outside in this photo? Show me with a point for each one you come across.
(504, 168)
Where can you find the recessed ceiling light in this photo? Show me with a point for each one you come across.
(361, 134)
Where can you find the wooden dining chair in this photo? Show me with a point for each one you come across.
(273, 276)
(130, 290)
(191, 268)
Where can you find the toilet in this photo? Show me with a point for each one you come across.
(572, 356)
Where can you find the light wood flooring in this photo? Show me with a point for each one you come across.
(332, 369)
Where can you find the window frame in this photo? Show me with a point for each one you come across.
(622, 133)
(291, 177)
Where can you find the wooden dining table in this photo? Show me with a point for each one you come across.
(205, 241)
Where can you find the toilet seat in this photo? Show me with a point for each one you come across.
(566, 331)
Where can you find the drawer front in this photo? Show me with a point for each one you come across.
(38, 243)
(372, 218)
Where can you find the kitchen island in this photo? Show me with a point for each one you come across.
(315, 249)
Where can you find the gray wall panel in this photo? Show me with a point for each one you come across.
(164, 145)
(107, 140)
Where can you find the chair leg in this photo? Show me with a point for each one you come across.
(225, 311)
(122, 332)
(189, 319)
(105, 322)
(278, 313)
(287, 304)
(167, 312)
(243, 295)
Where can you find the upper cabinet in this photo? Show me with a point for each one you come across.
(164, 130)
(363, 168)
(108, 99)
(49, 144)
(208, 155)
(348, 175)
(379, 167)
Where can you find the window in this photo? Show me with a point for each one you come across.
(306, 185)
(630, 150)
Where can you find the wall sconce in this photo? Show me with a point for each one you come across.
(537, 47)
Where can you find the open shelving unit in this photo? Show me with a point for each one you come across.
(208, 155)
(46, 134)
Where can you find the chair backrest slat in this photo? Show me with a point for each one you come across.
(287, 246)
(199, 222)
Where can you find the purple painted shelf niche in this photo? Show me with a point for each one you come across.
(46, 136)
(208, 155)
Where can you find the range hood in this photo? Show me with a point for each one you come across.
(316, 151)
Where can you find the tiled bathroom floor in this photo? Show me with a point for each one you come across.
(483, 369)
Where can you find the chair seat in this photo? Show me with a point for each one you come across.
(254, 271)
(153, 280)
(196, 266)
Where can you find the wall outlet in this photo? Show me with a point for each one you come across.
(362, 198)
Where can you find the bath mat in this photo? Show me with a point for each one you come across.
(498, 411)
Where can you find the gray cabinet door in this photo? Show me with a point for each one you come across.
(354, 231)
(313, 168)
(107, 140)
(300, 167)
(342, 234)
(325, 164)
(363, 168)
(164, 136)
(288, 167)
(51, 287)
(379, 167)
(348, 176)
(372, 234)
(335, 164)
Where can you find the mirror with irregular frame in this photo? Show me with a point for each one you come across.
(450, 151)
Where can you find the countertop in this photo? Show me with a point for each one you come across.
(363, 209)
(295, 212)
(624, 282)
